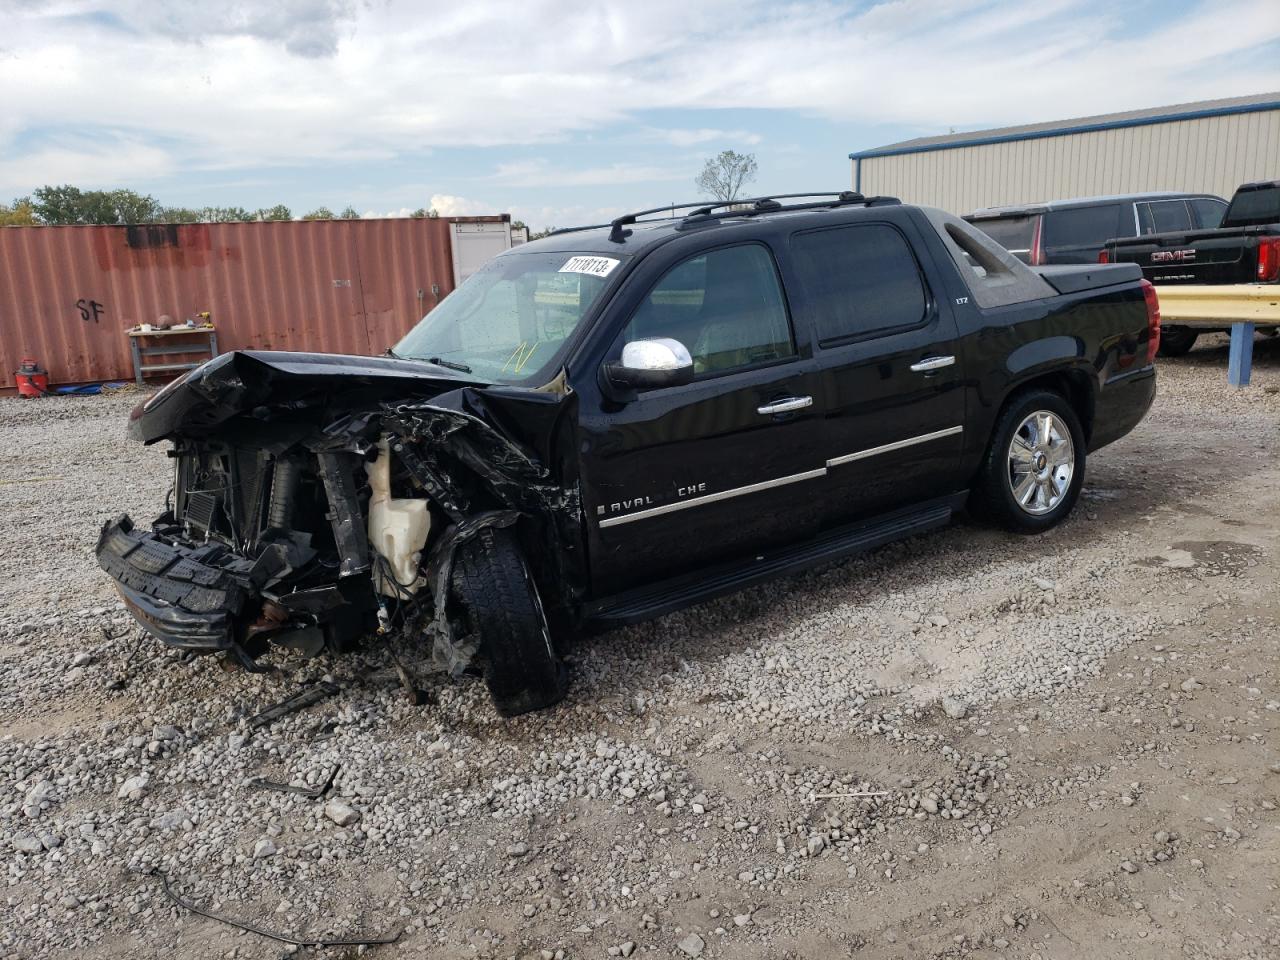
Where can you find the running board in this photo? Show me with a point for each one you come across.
(667, 596)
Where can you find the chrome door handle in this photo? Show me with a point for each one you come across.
(785, 405)
(932, 363)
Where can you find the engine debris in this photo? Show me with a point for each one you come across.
(270, 934)
(298, 701)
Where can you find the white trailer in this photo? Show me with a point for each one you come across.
(475, 242)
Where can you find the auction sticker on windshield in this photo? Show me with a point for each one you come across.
(596, 266)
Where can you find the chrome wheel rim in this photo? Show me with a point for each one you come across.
(1042, 463)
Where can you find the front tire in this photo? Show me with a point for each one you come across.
(1034, 467)
(501, 600)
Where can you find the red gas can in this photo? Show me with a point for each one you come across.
(32, 379)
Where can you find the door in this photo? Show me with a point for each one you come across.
(892, 403)
(683, 477)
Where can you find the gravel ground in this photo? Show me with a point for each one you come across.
(965, 744)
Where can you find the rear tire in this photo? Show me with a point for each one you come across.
(1034, 467)
(494, 585)
(1177, 341)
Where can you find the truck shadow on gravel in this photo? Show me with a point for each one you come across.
(1122, 490)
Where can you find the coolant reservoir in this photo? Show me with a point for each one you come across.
(398, 528)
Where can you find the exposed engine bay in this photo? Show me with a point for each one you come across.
(319, 500)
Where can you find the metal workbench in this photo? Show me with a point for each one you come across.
(140, 352)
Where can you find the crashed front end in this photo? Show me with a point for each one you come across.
(318, 500)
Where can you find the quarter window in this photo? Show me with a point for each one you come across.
(859, 280)
(1163, 216)
(1208, 213)
(725, 306)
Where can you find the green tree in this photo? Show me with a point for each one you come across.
(419, 214)
(179, 215)
(20, 213)
(319, 213)
(226, 215)
(278, 212)
(350, 213)
(66, 204)
(433, 213)
(725, 174)
(545, 232)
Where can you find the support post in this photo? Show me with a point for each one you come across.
(137, 360)
(1240, 358)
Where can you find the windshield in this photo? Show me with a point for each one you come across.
(508, 321)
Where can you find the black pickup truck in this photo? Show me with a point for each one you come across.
(1245, 248)
(615, 422)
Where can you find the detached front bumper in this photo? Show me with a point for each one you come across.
(188, 596)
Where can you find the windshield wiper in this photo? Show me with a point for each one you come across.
(438, 361)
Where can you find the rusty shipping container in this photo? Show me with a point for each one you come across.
(67, 294)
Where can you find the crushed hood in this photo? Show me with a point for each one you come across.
(303, 388)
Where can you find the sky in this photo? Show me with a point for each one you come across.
(565, 113)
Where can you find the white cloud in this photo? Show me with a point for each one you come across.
(450, 206)
(681, 137)
(539, 173)
(242, 86)
(109, 161)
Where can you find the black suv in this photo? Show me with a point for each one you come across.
(1075, 231)
(615, 422)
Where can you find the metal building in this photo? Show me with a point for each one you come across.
(1211, 146)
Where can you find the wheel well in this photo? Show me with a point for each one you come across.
(1072, 385)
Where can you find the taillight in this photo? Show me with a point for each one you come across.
(1103, 256)
(1037, 248)
(1269, 259)
(1153, 319)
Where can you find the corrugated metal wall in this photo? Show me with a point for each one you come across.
(1211, 154)
(335, 286)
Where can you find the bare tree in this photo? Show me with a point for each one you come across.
(725, 174)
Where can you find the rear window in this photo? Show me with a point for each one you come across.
(1013, 233)
(1080, 227)
(1252, 208)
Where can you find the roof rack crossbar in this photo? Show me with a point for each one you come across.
(770, 205)
(702, 211)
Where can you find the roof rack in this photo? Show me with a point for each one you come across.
(754, 206)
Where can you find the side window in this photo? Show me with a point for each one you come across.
(1075, 227)
(1207, 213)
(860, 280)
(725, 306)
(1163, 216)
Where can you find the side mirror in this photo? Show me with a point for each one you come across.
(645, 364)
